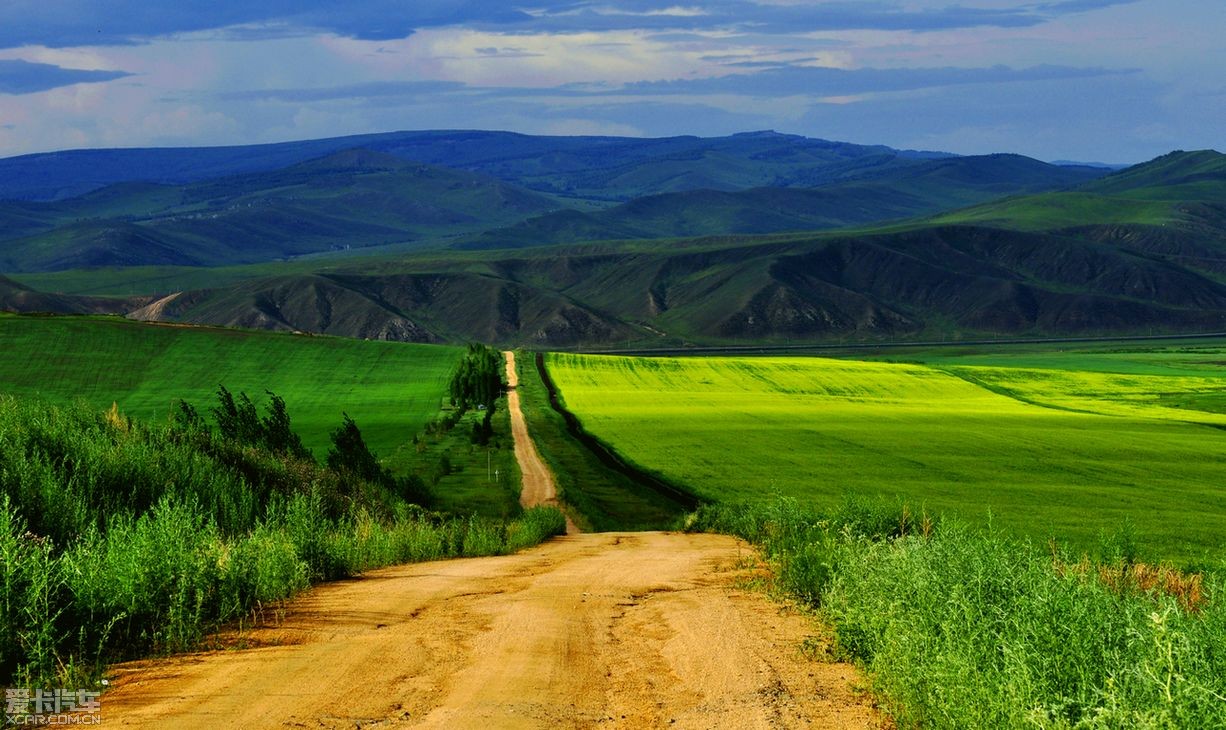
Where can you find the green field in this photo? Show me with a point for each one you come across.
(390, 389)
(1044, 452)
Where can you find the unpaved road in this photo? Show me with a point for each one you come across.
(626, 630)
(618, 630)
(538, 485)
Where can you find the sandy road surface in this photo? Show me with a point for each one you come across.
(624, 630)
(620, 630)
(539, 487)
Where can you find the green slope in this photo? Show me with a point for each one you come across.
(351, 199)
(868, 197)
(1160, 192)
(390, 389)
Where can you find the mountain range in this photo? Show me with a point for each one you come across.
(590, 241)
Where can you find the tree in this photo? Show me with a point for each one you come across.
(477, 380)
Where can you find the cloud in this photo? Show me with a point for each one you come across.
(23, 77)
(772, 81)
(821, 81)
(67, 23)
(372, 90)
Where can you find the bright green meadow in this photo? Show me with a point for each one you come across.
(1069, 454)
(390, 389)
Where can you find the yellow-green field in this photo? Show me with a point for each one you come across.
(1044, 452)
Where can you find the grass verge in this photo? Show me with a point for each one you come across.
(120, 539)
(959, 628)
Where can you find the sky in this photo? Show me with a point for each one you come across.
(1116, 81)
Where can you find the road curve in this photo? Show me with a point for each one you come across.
(618, 630)
(538, 484)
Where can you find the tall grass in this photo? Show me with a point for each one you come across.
(960, 628)
(119, 539)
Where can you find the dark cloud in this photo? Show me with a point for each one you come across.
(65, 23)
(23, 77)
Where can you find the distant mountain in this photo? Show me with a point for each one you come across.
(1175, 176)
(1126, 253)
(605, 168)
(946, 281)
(1172, 208)
(871, 197)
(348, 199)
(452, 306)
(1141, 250)
(1077, 163)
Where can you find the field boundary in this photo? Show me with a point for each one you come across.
(605, 453)
(835, 346)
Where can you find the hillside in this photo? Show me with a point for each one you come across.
(1136, 252)
(390, 389)
(937, 281)
(1172, 208)
(349, 199)
(16, 297)
(870, 197)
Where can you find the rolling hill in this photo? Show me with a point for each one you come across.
(353, 198)
(881, 195)
(1138, 251)
(16, 297)
(1172, 208)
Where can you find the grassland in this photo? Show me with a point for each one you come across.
(390, 389)
(1041, 452)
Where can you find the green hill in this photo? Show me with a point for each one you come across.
(391, 389)
(869, 197)
(1144, 259)
(351, 199)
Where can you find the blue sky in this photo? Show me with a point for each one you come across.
(1095, 80)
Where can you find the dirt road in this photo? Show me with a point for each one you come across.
(619, 630)
(612, 630)
(539, 487)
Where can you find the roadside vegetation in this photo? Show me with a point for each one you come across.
(120, 537)
(1042, 452)
(961, 628)
(466, 453)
